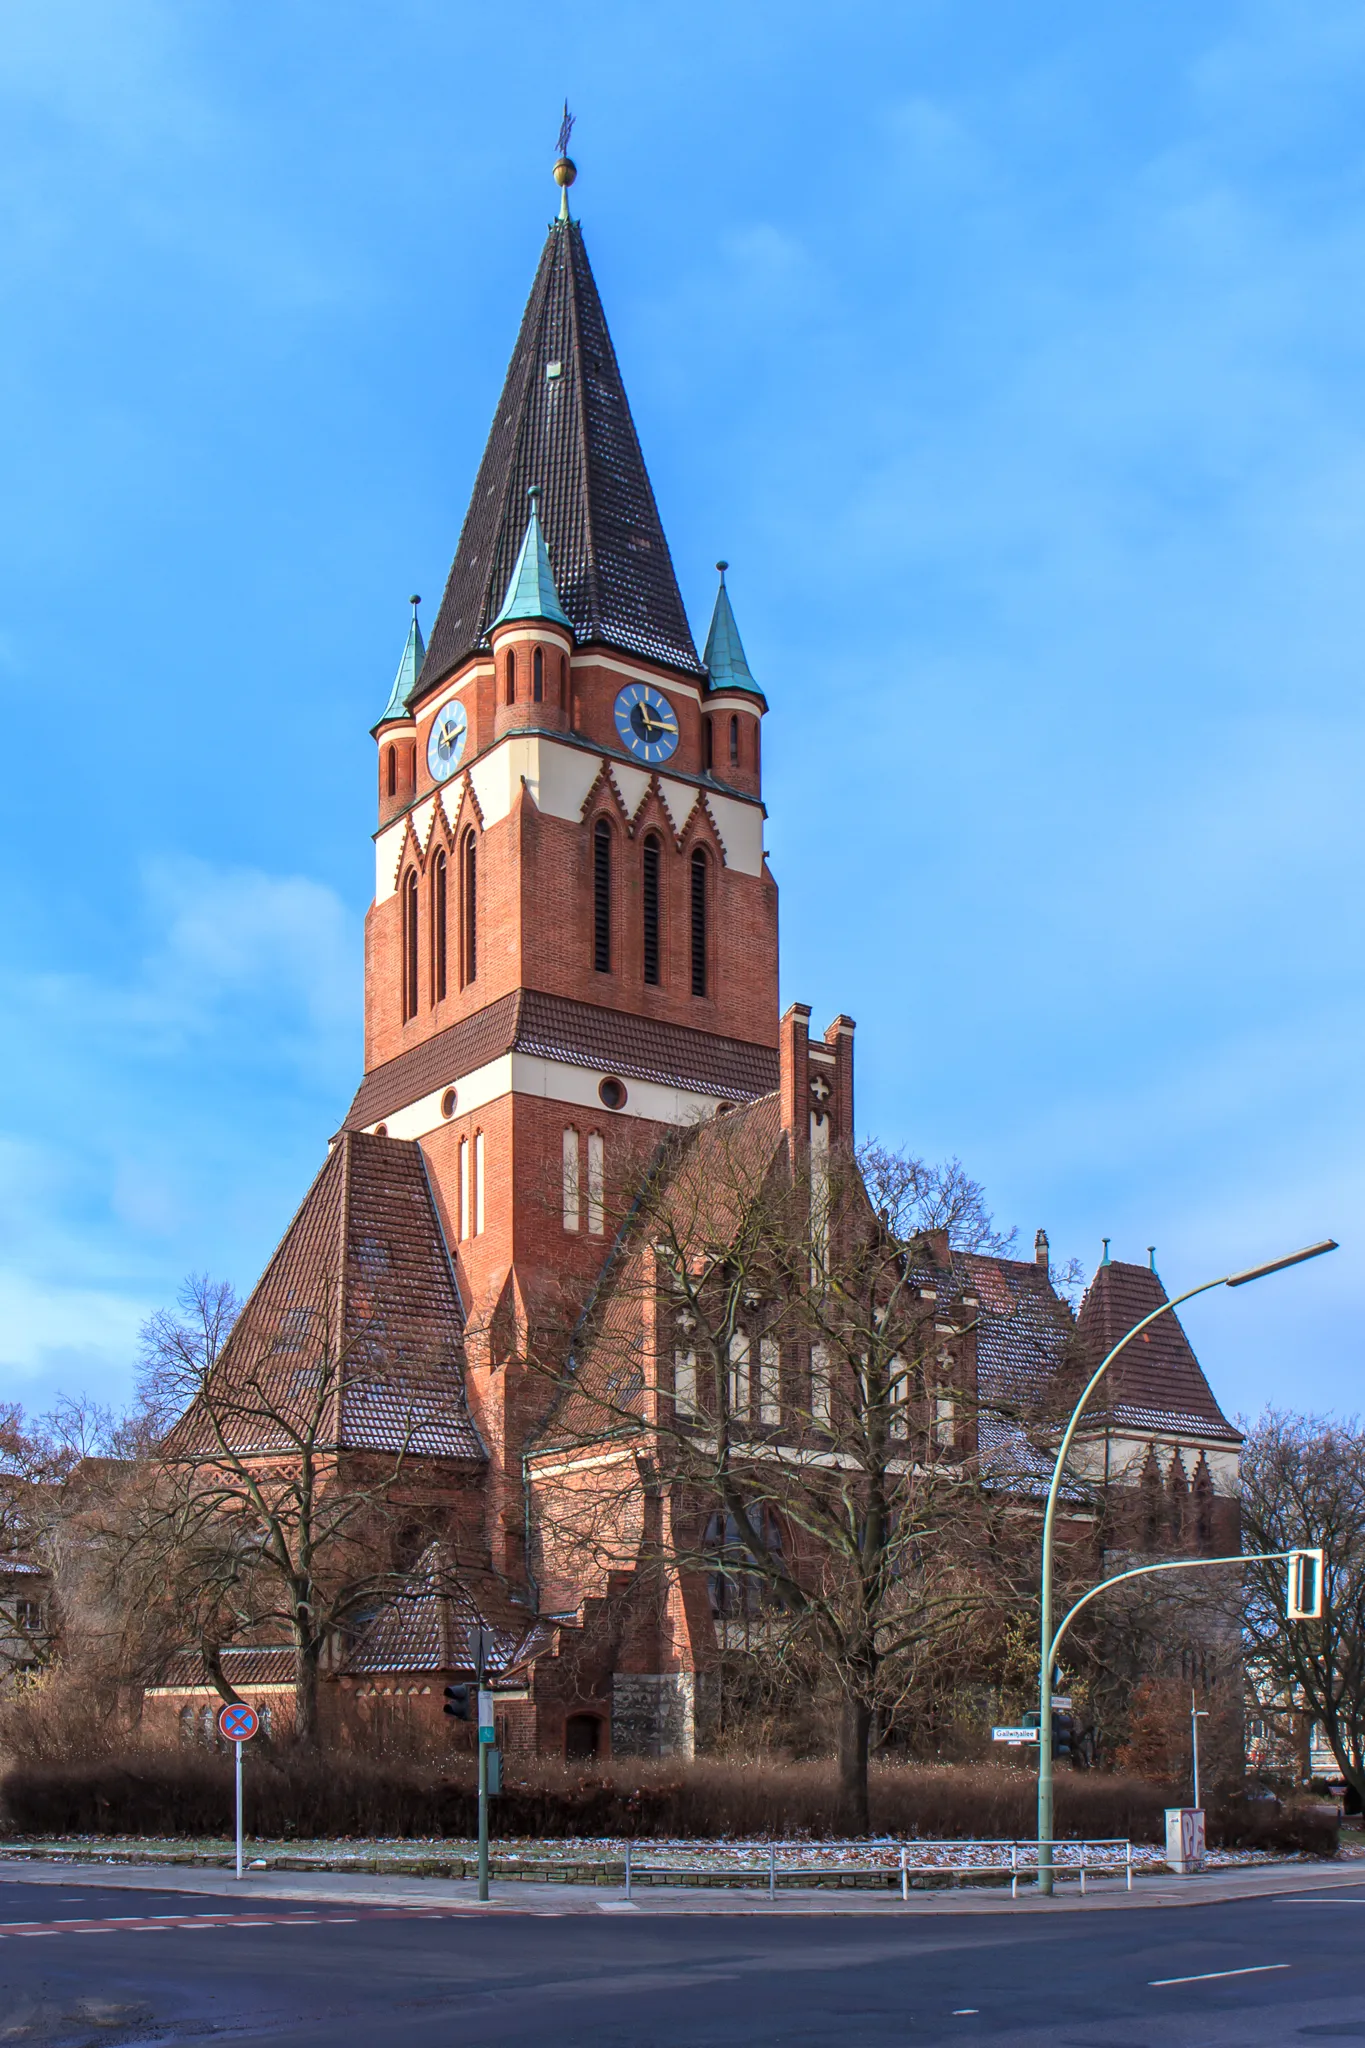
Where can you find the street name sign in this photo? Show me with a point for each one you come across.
(1014, 1735)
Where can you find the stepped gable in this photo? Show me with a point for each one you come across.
(428, 1624)
(1157, 1383)
(580, 1035)
(564, 423)
(702, 1170)
(359, 1298)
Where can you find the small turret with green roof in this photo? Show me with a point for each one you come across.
(724, 660)
(414, 652)
(531, 592)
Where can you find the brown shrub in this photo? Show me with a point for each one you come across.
(156, 1792)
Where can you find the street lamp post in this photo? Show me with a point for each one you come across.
(1048, 1640)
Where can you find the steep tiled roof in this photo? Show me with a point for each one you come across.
(580, 1034)
(354, 1332)
(703, 1173)
(1156, 1384)
(563, 423)
(427, 1625)
(253, 1664)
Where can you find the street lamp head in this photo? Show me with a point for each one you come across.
(1312, 1251)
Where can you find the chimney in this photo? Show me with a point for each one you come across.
(839, 1039)
(793, 1038)
(1042, 1250)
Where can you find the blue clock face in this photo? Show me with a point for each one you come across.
(448, 737)
(647, 722)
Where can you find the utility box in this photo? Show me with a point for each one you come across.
(1185, 1846)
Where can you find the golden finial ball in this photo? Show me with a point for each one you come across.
(566, 170)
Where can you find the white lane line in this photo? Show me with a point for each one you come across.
(1207, 1976)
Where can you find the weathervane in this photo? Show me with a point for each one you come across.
(566, 170)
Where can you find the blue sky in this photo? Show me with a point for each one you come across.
(1013, 357)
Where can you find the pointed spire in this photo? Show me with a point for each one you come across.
(724, 657)
(531, 592)
(409, 668)
(563, 421)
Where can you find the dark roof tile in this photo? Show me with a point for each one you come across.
(563, 422)
(581, 1035)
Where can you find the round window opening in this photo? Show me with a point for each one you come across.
(448, 1102)
(613, 1093)
(724, 1108)
(381, 1130)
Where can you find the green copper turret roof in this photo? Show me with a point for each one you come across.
(724, 657)
(531, 592)
(409, 668)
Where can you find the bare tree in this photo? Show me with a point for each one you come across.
(1303, 1485)
(262, 1511)
(796, 1408)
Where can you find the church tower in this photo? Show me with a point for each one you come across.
(573, 939)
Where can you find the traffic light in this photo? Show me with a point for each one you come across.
(457, 1701)
(1063, 1731)
(1304, 1599)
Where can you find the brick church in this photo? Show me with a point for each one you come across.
(572, 955)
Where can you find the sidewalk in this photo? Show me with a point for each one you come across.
(334, 1888)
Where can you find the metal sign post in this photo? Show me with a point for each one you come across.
(237, 1724)
(486, 1732)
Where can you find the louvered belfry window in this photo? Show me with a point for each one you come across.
(601, 896)
(469, 908)
(438, 929)
(698, 922)
(652, 861)
(410, 945)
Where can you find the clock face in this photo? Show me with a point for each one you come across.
(446, 744)
(647, 722)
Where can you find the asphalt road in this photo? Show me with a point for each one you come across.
(90, 1964)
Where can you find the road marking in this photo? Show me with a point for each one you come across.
(1207, 1976)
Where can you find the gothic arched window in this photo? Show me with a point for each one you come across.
(652, 863)
(438, 928)
(469, 908)
(392, 769)
(538, 677)
(511, 675)
(708, 728)
(699, 910)
(601, 896)
(734, 742)
(410, 944)
(563, 682)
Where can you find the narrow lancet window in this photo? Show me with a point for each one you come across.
(597, 1210)
(438, 929)
(653, 855)
(410, 929)
(469, 908)
(699, 908)
(601, 896)
(734, 743)
(538, 677)
(480, 1183)
(511, 675)
(571, 1205)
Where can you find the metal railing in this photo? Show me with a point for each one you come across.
(913, 1863)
